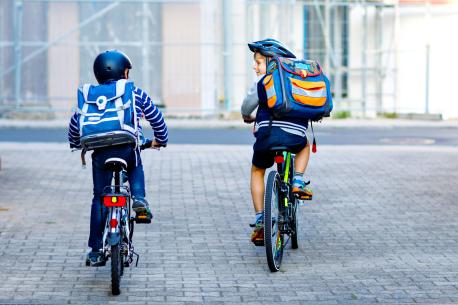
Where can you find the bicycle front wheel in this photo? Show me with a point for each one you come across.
(116, 269)
(273, 239)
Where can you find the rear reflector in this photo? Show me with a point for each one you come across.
(279, 159)
(113, 223)
(114, 201)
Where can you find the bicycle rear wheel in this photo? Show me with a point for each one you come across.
(273, 239)
(116, 269)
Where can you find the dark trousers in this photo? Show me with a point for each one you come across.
(102, 178)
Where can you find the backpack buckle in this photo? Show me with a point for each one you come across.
(101, 102)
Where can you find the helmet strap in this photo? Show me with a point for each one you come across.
(268, 59)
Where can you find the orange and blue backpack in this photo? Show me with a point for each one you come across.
(297, 89)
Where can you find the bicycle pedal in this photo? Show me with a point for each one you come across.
(142, 219)
(100, 264)
(303, 197)
(259, 243)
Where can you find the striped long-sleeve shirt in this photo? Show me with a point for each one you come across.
(144, 106)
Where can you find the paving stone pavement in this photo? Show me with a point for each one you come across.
(382, 228)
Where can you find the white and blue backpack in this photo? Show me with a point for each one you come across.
(107, 115)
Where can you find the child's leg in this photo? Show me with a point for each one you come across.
(257, 188)
(101, 178)
(300, 164)
(257, 193)
(302, 159)
(137, 181)
(137, 188)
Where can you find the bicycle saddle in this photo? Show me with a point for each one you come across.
(279, 148)
(115, 164)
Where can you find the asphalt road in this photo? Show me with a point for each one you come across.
(329, 136)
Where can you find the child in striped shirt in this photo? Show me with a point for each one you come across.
(110, 66)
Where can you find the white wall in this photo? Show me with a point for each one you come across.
(63, 61)
(363, 43)
(240, 52)
(405, 82)
(208, 56)
(444, 62)
(255, 21)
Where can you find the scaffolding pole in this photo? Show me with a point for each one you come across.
(397, 27)
(427, 52)
(17, 19)
(336, 14)
(378, 62)
(51, 43)
(364, 63)
(146, 65)
(227, 53)
(2, 52)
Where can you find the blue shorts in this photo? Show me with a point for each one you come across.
(262, 156)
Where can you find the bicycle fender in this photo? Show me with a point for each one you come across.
(113, 238)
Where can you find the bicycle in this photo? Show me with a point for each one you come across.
(280, 209)
(119, 224)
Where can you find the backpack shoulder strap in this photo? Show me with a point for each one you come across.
(85, 90)
(120, 87)
(129, 86)
(83, 93)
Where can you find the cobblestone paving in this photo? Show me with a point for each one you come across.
(381, 229)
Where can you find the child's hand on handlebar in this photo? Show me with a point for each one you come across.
(157, 145)
(152, 144)
(248, 119)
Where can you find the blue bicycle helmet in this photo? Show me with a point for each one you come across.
(271, 47)
(110, 66)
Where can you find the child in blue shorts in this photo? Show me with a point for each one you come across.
(287, 132)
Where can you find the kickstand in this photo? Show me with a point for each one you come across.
(286, 242)
(138, 257)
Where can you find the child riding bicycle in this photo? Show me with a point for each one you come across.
(271, 132)
(110, 67)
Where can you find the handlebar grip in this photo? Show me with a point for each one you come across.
(146, 144)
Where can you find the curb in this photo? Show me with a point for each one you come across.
(214, 123)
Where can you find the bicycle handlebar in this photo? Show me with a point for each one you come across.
(148, 144)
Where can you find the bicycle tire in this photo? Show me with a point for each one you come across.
(273, 239)
(121, 256)
(116, 265)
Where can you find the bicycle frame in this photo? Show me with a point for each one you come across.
(119, 225)
(285, 169)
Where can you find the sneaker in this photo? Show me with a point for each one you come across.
(301, 190)
(257, 236)
(142, 210)
(95, 259)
